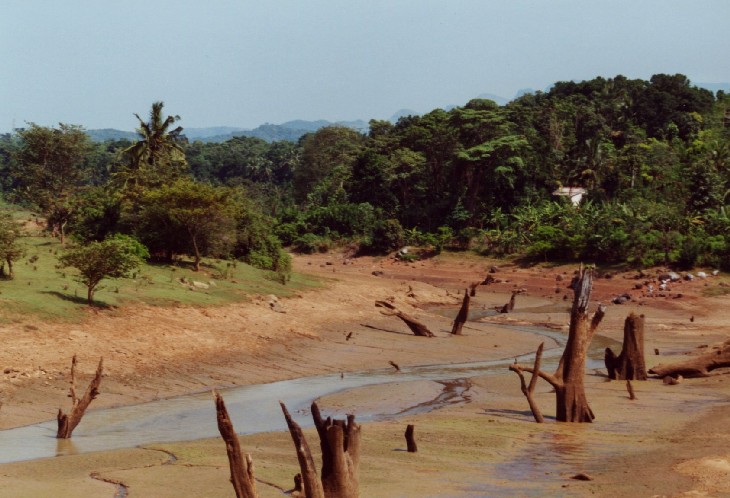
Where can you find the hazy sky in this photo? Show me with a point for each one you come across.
(244, 63)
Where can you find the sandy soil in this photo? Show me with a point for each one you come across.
(672, 441)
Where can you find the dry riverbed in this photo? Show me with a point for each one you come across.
(671, 441)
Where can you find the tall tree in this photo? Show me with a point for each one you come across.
(49, 169)
(157, 157)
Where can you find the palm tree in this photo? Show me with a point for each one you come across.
(157, 157)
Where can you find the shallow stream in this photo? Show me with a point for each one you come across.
(255, 408)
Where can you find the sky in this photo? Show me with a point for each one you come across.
(244, 63)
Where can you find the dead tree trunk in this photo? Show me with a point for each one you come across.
(510, 305)
(310, 480)
(340, 444)
(701, 366)
(416, 327)
(411, 439)
(68, 422)
(473, 288)
(462, 316)
(570, 398)
(629, 365)
(241, 466)
(529, 390)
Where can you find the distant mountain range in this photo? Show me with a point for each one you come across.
(292, 131)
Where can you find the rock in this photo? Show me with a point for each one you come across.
(200, 285)
(558, 278)
(689, 277)
(701, 274)
(621, 299)
(638, 286)
(493, 269)
(377, 273)
(671, 381)
(212, 283)
(582, 477)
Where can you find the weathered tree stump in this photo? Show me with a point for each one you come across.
(700, 366)
(411, 439)
(241, 466)
(310, 480)
(529, 390)
(473, 288)
(340, 444)
(568, 379)
(629, 365)
(68, 422)
(462, 316)
(510, 305)
(416, 327)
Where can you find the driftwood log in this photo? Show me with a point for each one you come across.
(68, 422)
(462, 316)
(629, 365)
(416, 327)
(411, 439)
(340, 444)
(241, 466)
(568, 379)
(700, 366)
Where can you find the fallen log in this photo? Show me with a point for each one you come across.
(68, 422)
(700, 366)
(416, 327)
(240, 465)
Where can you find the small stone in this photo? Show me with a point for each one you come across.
(582, 477)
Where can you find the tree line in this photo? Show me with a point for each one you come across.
(652, 156)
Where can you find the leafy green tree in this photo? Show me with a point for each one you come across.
(10, 250)
(50, 169)
(187, 216)
(327, 156)
(115, 257)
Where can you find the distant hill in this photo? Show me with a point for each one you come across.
(290, 131)
(110, 134)
(403, 113)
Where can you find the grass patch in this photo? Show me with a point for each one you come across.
(43, 291)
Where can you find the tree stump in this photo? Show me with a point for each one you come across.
(462, 316)
(68, 422)
(570, 398)
(310, 480)
(410, 439)
(340, 444)
(629, 365)
(241, 466)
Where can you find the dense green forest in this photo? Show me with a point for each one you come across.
(653, 157)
